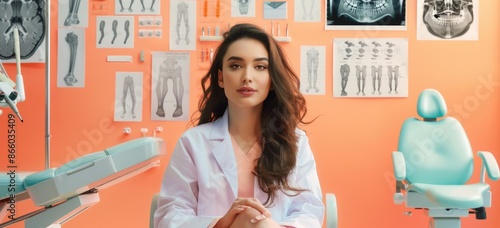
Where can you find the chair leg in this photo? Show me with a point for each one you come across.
(444, 222)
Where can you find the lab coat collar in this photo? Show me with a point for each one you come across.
(224, 152)
(220, 130)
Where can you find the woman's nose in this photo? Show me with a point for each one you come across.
(247, 77)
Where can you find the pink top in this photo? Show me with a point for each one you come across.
(246, 162)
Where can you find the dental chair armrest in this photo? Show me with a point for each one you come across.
(331, 211)
(399, 165)
(490, 165)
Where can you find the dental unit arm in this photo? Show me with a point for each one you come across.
(11, 93)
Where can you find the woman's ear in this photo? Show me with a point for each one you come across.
(220, 79)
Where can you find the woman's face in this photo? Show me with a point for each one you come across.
(245, 75)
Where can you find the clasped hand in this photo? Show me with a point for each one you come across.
(244, 210)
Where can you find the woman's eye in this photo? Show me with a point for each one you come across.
(261, 67)
(234, 66)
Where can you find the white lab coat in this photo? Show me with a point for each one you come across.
(201, 182)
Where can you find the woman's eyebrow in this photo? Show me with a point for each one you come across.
(241, 59)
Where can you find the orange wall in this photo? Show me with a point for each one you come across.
(352, 139)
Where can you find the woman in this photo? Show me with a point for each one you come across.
(245, 163)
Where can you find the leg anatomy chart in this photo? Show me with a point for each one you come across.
(128, 96)
(182, 25)
(170, 87)
(365, 67)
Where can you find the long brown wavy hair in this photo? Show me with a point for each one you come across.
(283, 110)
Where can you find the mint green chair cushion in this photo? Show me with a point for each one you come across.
(453, 196)
(49, 173)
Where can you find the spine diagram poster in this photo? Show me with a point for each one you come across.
(170, 86)
(447, 19)
(370, 67)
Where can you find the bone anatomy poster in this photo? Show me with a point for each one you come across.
(128, 97)
(243, 8)
(137, 7)
(115, 31)
(170, 86)
(312, 70)
(182, 25)
(447, 20)
(73, 13)
(376, 67)
(71, 61)
(307, 10)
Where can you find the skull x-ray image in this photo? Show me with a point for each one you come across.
(380, 13)
(448, 18)
(29, 18)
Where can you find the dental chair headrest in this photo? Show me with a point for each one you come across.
(431, 104)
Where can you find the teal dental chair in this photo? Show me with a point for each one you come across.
(434, 164)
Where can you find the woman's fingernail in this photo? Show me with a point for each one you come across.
(253, 220)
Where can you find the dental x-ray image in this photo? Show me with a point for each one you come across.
(365, 14)
(29, 18)
(447, 19)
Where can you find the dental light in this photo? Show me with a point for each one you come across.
(12, 92)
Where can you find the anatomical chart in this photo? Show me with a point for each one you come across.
(115, 32)
(376, 67)
(29, 18)
(170, 86)
(182, 25)
(137, 7)
(73, 13)
(312, 70)
(128, 97)
(366, 14)
(447, 20)
(243, 8)
(276, 10)
(307, 10)
(71, 57)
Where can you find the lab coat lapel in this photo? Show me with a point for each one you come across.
(224, 152)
